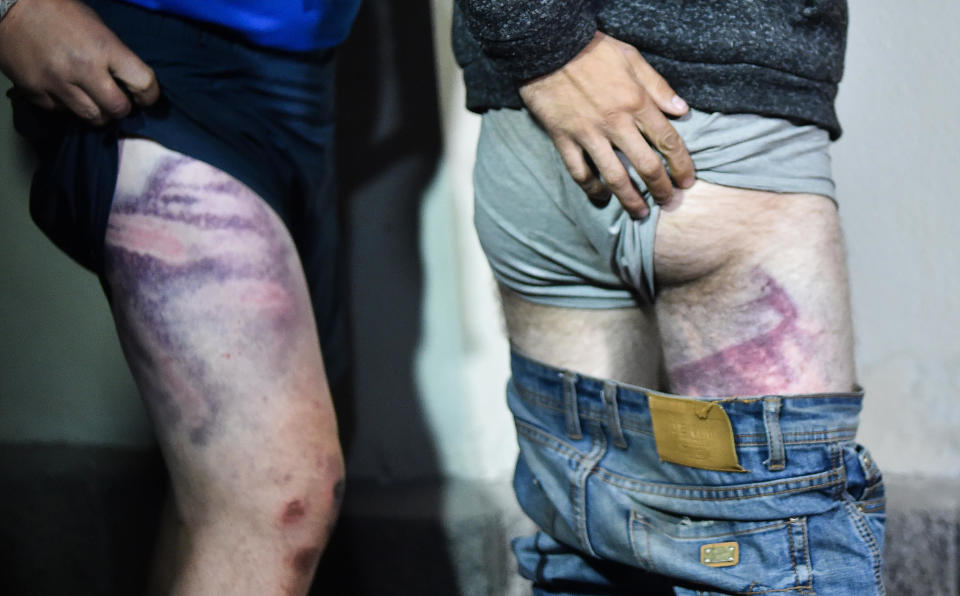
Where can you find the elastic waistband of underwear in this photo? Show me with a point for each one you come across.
(802, 418)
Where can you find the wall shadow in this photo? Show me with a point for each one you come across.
(390, 537)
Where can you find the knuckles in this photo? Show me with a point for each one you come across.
(670, 141)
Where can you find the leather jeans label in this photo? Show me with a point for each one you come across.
(693, 433)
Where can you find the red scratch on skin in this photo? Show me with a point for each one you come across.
(764, 364)
(293, 512)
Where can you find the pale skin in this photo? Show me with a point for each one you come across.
(213, 314)
(753, 294)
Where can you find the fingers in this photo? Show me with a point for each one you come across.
(646, 162)
(616, 178)
(138, 78)
(110, 99)
(101, 98)
(665, 138)
(77, 101)
(581, 172)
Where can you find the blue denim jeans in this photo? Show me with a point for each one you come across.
(804, 515)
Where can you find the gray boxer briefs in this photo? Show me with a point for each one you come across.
(549, 243)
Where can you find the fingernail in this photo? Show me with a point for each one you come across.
(688, 182)
(678, 103)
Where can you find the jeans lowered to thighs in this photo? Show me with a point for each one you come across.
(640, 492)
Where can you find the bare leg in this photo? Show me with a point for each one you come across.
(753, 299)
(214, 318)
(620, 343)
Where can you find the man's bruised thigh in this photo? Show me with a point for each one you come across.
(752, 294)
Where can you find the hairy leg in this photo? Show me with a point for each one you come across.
(752, 299)
(619, 343)
(214, 317)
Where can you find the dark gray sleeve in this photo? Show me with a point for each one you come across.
(6, 5)
(528, 38)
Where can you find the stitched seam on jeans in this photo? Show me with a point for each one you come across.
(769, 527)
(810, 433)
(806, 554)
(864, 532)
(873, 505)
(585, 413)
(549, 441)
(802, 589)
(625, 481)
(635, 520)
(631, 522)
(793, 557)
(826, 440)
(867, 535)
(836, 454)
(737, 498)
(532, 395)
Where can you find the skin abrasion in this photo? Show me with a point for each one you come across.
(770, 356)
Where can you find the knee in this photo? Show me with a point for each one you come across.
(717, 229)
(309, 506)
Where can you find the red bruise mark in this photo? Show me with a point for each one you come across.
(304, 560)
(767, 363)
(226, 355)
(293, 512)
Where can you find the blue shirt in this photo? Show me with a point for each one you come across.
(296, 25)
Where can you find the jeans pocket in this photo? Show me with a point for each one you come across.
(730, 556)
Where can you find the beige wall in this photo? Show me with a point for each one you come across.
(896, 170)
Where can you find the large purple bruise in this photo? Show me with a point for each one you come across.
(149, 289)
(764, 364)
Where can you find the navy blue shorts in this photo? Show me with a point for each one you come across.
(263, 116)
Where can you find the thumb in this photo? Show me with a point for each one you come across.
(134, 75)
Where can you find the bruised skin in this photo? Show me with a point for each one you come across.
(753, 294)
(172, 258)
(767, 360)
(752, 299)
(214, 317)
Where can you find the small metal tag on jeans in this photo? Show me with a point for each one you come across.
(693, 433)
(721, 554)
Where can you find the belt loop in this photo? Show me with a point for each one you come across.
(771, 422)
(570, 411)
(613, 414)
